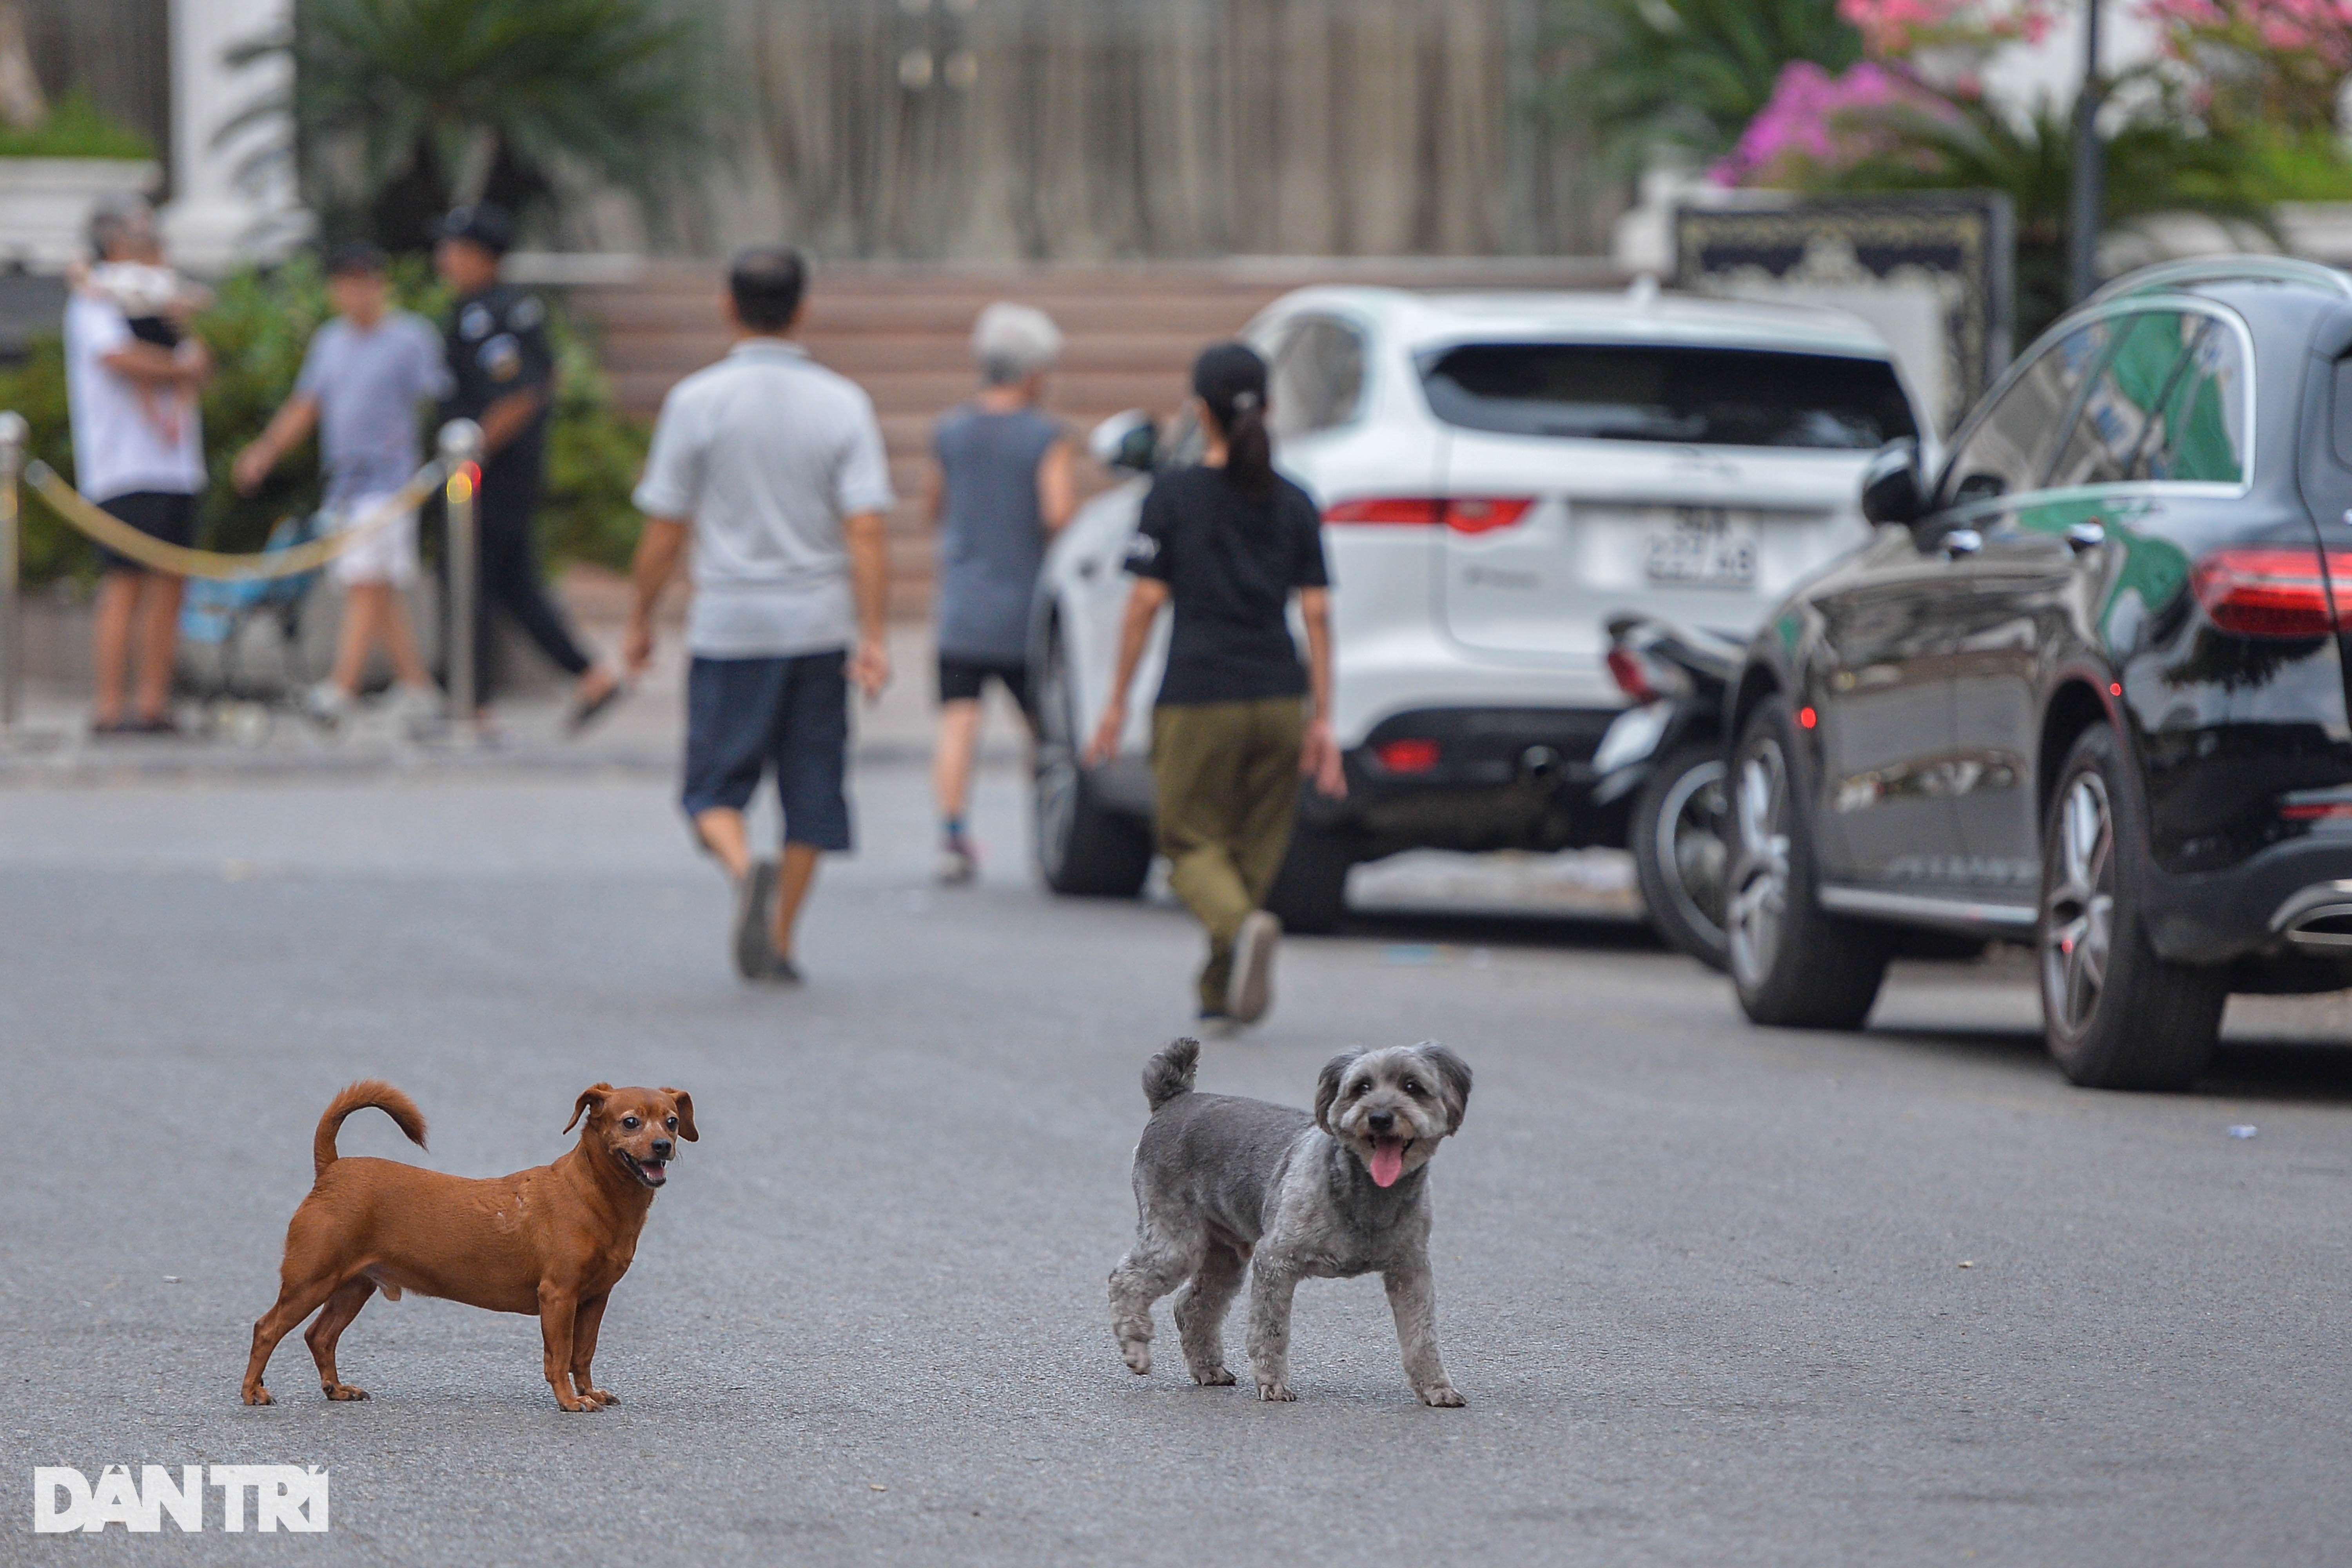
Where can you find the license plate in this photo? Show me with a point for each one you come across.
(1700, 546)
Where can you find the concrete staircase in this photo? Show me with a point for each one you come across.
(903, 333)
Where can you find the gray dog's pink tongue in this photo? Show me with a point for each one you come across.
(1387, 1160)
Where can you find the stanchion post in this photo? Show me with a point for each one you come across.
(461, 451)
(12, 436)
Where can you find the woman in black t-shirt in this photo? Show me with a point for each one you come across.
(1237, 719)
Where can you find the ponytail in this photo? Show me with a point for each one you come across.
(1230, 379)
(1249, 451)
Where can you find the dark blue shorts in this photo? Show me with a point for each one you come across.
(744, 716)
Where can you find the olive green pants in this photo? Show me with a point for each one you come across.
(1227, 776)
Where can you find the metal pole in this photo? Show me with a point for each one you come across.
(461, 449)
(2087, 200)
(13, 434)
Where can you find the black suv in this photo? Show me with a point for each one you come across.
(2087, 689)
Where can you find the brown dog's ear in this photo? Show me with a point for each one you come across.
(1327, 1087)
(592, 1100)
(1456, 1074)
(684, 1114)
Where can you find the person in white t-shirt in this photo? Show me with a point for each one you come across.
(148, 474)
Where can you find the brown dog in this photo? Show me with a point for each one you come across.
(551, 1241)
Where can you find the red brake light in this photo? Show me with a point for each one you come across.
(2317, 811)
(1463, 514)
(2270, 592)
(1409, 756)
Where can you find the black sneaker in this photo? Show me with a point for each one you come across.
(781, 970)
(755, 910)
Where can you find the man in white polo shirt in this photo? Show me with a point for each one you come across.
(773, 465)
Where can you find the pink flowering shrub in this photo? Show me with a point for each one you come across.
(1817, 123)
(2281, 62)
(1896, 29)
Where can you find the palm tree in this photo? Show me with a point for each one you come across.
(1685, 74)
(402, 108)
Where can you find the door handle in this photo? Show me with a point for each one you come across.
(2088, 534)
(1961, 542)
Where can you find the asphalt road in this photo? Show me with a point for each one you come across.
(1714, 1295)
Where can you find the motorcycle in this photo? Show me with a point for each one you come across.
(1667, 750)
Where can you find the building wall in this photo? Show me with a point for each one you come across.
(1087, 130)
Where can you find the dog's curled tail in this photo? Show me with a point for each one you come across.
(1169, 1073)
(359, 1097)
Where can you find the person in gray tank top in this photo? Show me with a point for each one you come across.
(1003, 485)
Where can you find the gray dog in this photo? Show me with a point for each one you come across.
(1223, 1183)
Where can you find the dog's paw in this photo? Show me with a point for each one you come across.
(574, 1407)
(258, 1395)
(1215, 1377)
(343, 1390)
(1279, 1392)
(600, 1397)
(1137, 1353)
(1445, 1396)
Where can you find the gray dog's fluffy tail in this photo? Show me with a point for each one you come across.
(1169, 1073)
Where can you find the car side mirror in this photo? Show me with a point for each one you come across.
(1129, 441)
(1895, 485)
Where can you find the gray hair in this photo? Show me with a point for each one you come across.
(1013, 341)
(114, 218)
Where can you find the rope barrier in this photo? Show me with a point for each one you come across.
(181, 562)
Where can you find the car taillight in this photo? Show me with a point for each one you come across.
(1463, 514)
(1424, 511)
(2271, 592)
(1485, 514)
(1407, 756)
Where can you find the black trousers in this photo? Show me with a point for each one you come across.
(510, 581)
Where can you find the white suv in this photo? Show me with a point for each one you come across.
(1499, 473)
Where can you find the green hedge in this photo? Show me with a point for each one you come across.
(257, 330)
(76, 128)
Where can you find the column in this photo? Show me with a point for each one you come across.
(218, 216)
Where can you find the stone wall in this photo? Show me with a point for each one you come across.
(1091, 130)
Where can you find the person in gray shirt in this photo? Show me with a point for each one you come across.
(366, 371)
(1002, 485)
(773, 467)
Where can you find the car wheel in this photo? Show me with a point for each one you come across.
(1083, 848)
(2115, 1015)
(1310, 893)
(1679, 853)
(1793, 964)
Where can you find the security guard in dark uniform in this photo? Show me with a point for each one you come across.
(504, 380)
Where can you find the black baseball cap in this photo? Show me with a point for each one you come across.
(486, 223)
(356, 256)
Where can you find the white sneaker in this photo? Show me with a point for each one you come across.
(1250, 992)
(417, 709)
(958, 864)
(326, 705)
